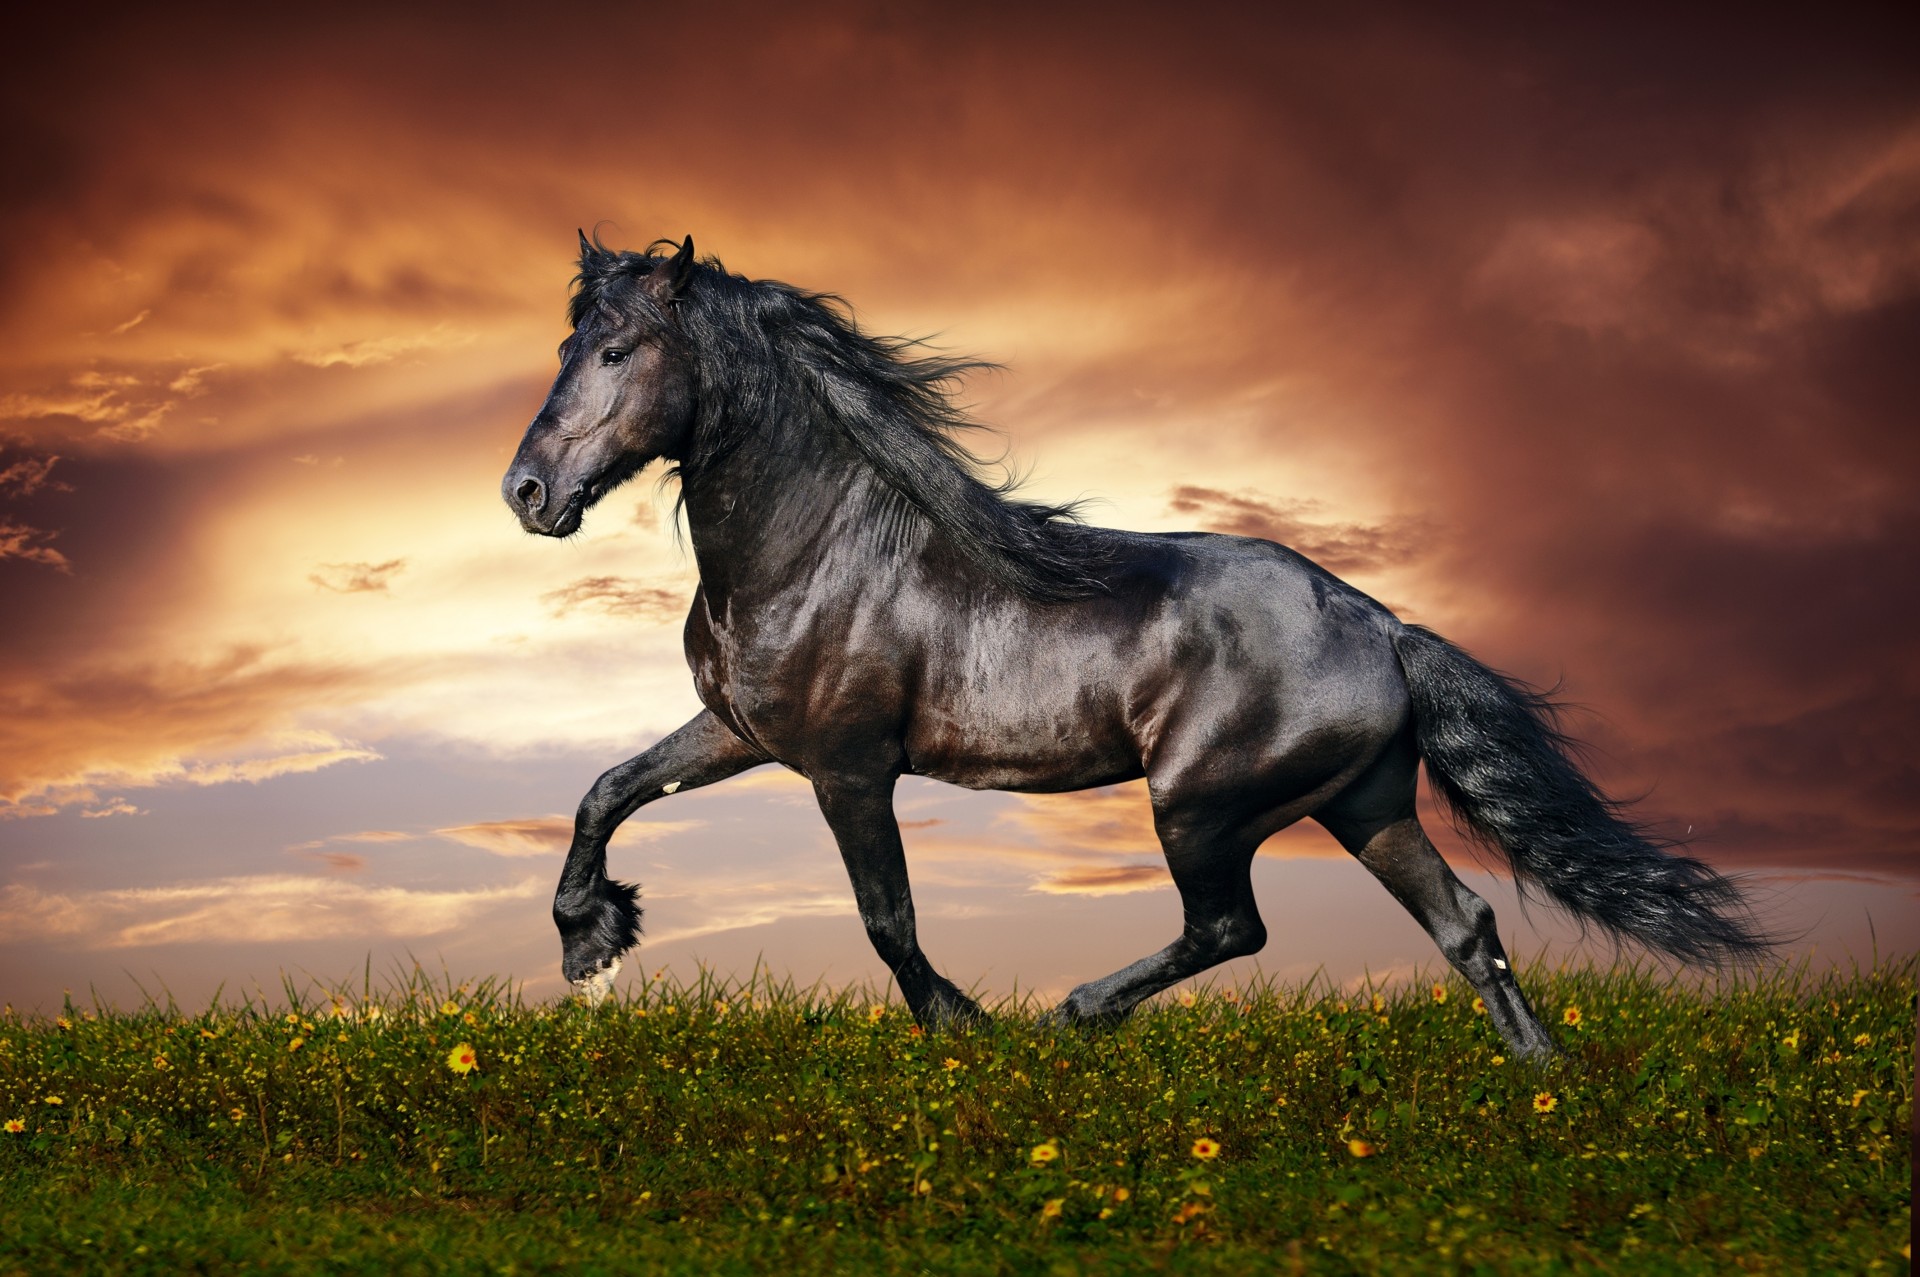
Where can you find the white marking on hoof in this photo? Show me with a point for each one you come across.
(595, 988)
(669, 787)
(1501, 963)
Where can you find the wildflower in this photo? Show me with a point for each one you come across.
(924, 1186)
(160, 1062)
(238, 1115)
(449, 1007)
(719, 1007)
(1479, 1006)
(1205, 1149)
(1188, 997)
(1122, 1194)
(55, 1100)
(1052, 1209)
(1545, 1103)
(1044, 1153)
(1499, 1059)
(875, 1012)
(1189, 1211)
(293, 1017)
(1440, 993)
(462, 1059)
(62, 1022)
(1571, 1017)
(295, 1045)
(951, 1063)
(373, 1011)
(15, 1126)
(1360, 1148)
(1791, 1041)
(1379, 1004)
(1865, 1039)
(1858, 1096)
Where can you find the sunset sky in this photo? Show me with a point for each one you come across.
(1588, 340)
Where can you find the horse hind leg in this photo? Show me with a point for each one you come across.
(1212, 869)
(1387, 838)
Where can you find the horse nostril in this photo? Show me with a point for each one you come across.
(530, 494)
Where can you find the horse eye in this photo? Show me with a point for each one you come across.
(613, 356)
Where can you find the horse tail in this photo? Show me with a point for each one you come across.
(1497, 758)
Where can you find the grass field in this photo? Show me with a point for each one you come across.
(1758, 1125)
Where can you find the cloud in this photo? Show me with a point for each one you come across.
(1104, 880)
(379, 350)
(344, 862)
(551, 835)
(28, 475)
(135, 322)
(112, 807)
(28, 544)
(244, 910)
(1341, 548)
(358, 578)
(115, 727)
(618, 596)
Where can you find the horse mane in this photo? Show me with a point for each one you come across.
(764, 351)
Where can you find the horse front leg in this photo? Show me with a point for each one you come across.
(597, 917)
(861, 816)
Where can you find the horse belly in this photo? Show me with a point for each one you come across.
(1030, 728)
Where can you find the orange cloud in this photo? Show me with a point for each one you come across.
(617, 596)
(266, 908)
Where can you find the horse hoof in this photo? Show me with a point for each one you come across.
(594, 987)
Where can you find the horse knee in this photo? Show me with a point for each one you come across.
(1235, 935)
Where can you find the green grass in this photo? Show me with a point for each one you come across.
(1757, 1125)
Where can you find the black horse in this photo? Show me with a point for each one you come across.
(869, 608)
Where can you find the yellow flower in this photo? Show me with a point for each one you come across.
(1052, 1209)
(1440, 993)
(1205, 1149)
(924, 1186)
(238, 1115)
(55, 1100)
(1499, 1059)
(1571, 1016)
(1865, 1039)
(15, 1126)
(1544, 1102)
(160, 1062)
(1479, 1006)
(295, 1045)
(1379, 1004)
(951, 1064)
(293, 1017)
(462, 1059)
(875, 1012)
(62, 1022)
(449, 1007)
(1187, 997)
(1189, 1211)
(1122, 1194)
(1360, 1148)
(1791, 1041)
(1044, 1153)
(1858, 1096)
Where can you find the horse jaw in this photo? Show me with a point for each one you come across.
(593, 989)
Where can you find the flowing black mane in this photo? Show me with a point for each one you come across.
(767, 353)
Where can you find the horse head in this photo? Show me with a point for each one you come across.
(624, 395)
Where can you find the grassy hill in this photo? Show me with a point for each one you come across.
(1756, 1125)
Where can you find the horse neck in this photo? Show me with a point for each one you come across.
(776, 508)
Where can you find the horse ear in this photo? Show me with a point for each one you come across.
(590, 252)
(673, 277)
